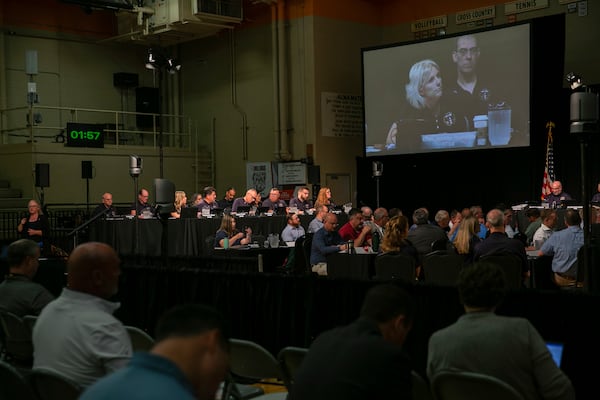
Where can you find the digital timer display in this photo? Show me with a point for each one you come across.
(84, 135)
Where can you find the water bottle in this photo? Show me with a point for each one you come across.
(351, 247)
(226, 243)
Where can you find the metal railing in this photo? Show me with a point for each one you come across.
(48, 124)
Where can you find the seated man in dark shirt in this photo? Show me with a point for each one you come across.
(141, 205)
(18, 293)
(499, 243)
(274, 201)
(557, 196)
(302, 201)
(106, 206)
(365, 359)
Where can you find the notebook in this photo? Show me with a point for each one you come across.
(556, 350)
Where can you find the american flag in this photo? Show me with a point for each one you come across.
(549, 170)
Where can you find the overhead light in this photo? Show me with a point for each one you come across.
(152, 60)
(575, 80)
(173, 66)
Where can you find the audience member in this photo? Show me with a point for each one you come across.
(355, 229)
(188, 361)
(477, 212)
(228, 231)
(326, 241)
(196, 199)
(18, 293)
(105, 207)
(535, 221)
(317, 222)
(442, 219)
(557, 196)
(76, 334)
(35, 225)
(380, 219)
(141, 207)
(365, 359)
(455, 218)
(508, 348)
(563, 246)
(596, 197)
(324, 198)
(467, 238)
(293, 230)
(395, 211)
(180, 202)
(508, 223)
(227, 200)
(395, 240)
(424, 233)
(367, 213)
(249, 200)
(209, 199)
(302, 201)
(274, 201)
(546, 229)
(498, 242)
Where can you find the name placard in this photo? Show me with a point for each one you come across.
(441, 21)
(476, 14)
(517, 7)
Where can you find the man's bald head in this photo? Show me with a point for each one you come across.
(93, 268)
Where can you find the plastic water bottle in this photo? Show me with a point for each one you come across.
(226, 243)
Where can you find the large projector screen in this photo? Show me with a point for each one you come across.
(462, 92)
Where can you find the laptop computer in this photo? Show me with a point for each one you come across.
(189, 212)
(556, 350)
(217, 211)
(243, 209)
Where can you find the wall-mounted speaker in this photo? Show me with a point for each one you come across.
(42, 175)
(86, 170)
(146, 101)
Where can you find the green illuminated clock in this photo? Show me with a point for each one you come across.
(84, 135)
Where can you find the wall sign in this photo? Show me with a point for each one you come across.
(84, 135)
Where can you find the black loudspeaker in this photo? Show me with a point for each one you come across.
(146, 101)
(125, 80)
(42, 175)
(86, 170)
(314, 174)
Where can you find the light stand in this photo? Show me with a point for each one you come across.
(377, 173)
(158, 61)
(135, 169)
(584, 123)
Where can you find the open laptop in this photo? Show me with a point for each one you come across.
(189, 212)
(556, 350)
(243, 209)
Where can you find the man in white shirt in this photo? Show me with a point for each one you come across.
(76, 334)
(542, 234)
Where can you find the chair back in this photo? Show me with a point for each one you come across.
(17, 338)
(30, 321)
(50, 385)
(440, 244)
(140, 340)
(290, 358)
(461, 385)
(209, 245)
(307, 249)
(252, 361)
(420, 387)
(395, 266)
(511, 265)
(441, 268)
(13, 384)
(300, 262)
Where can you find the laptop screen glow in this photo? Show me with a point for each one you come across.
(556, 350)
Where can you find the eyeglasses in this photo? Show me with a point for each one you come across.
(473, 51)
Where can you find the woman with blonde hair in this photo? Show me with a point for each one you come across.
(180, 202)
(467, 237)
(394, 240)
(324, 199)
(227, 230)
(35, 225)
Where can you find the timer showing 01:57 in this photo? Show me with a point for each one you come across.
(84, 135)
